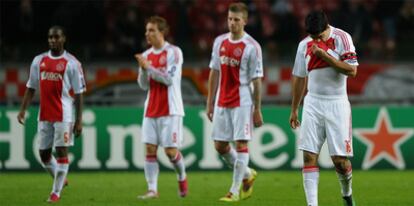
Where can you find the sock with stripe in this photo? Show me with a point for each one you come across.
(61, 171)
(239, 170)
(345, 180)
(178, 163)
(310, 184)
(151, 170)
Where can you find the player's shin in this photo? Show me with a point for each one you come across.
(60, 175)
(151, 170)
(178, 163)
(50, 166)
(310, 184)
(345, 180)
(239, 170)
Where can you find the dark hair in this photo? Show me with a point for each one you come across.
(316, 22)
(57, 27)
(239, 7)
(160, 22)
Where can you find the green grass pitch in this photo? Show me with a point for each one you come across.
(282, 188)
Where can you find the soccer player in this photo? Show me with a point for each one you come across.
(55, 74)
(160, 74)
(324, 60)
(236, 62)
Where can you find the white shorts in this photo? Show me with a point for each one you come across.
(163, 131)
(231, 124)
(326, 118)
(57, 134)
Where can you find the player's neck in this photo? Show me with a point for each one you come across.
(236, 36)
(56, 53)
(326, 34)
(159, 44)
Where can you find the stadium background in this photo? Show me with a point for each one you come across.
(105, 34)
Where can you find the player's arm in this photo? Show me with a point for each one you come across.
(340, 66)
(142, 73)
(27, 98)
(211, 92)
(77, 128)
(257, 98)
(298, 89)
(78, 86)
(31, 86)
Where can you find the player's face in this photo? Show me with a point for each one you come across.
(323, 36)
(236, 22)
(56, 39)
(153, 35)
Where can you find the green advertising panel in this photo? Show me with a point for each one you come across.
(383, 139)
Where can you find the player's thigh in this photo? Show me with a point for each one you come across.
(222, 126)
(171, 128)
(339, 128)
(63, 135)
(312, 134)
(242, 121)
(149, 131)
(45, 131)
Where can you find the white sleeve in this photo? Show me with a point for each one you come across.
(299, 69)
(215, 55)
(174, 62)
(143, 79)
(347, 52)
(34, 76)
(255, 62)
(77, 79)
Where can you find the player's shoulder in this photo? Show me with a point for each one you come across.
(221, 37)
(304, 41)
(172, 48)
(71, 58)
(249, 40)
(340, 34)
(40, 56)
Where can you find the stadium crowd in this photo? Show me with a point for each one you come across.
(114, 30)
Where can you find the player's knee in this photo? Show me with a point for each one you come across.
(222, 148)
(45, 156)
(310, 158)
(171, 153)
(342, 164)
(151, 149)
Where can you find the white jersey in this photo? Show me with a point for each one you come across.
(55, 77)
(163, 81)
(322, 78)
(239, 62)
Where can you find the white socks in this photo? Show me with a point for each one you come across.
(239, 170)
(151, 170)
(50, 166)
(230, 159)
(61, 171)
(178, 163)
(310, 184)
(345, 180)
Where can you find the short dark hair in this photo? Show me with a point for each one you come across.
(160, 22)
(57, 27)
(239, 7)
(316, 22)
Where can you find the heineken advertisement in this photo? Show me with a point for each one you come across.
(383, 139)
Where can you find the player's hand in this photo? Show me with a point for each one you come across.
(317, 51)
(210, 112)
(143, 63)
(257, 118)
(293, 120)
(21, 117)
(77, 129)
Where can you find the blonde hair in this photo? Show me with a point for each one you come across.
(239, 7)
(160, 22)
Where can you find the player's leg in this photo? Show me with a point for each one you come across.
(311, 139)
(177, 161)
(339, 140)
(46, 131)
(63, 139)
(151, 167)
(344, 172)
(171, 137)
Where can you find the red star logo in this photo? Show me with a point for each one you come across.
(383, 142)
